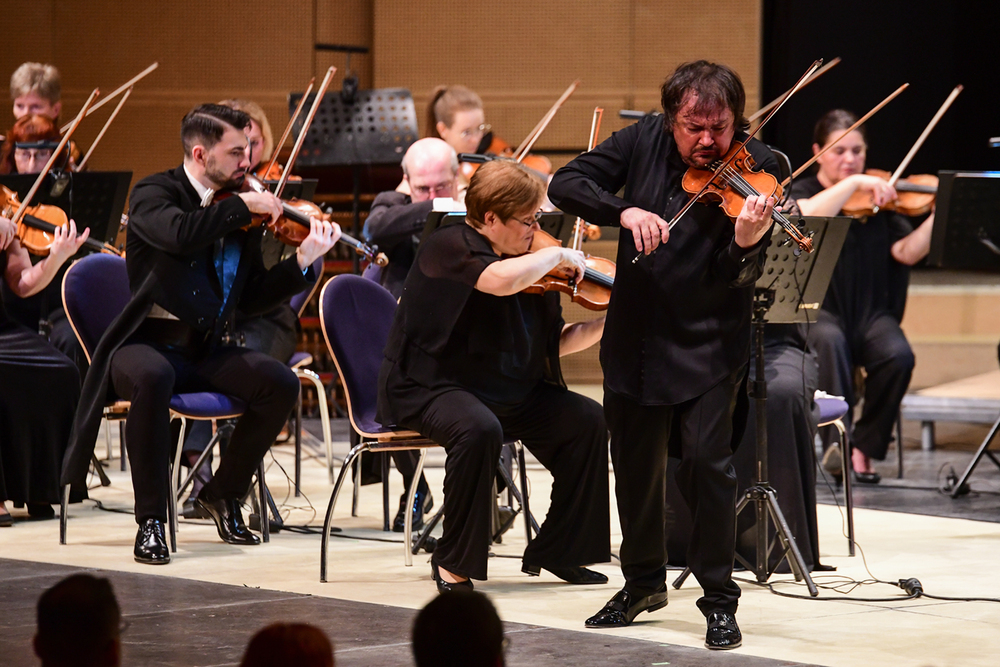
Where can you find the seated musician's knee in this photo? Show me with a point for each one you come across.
(278, 382)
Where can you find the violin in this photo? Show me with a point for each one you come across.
(737, 182)
(915, 196)
(593, 292)
(293, 226)
(497, 147)
(37, 226)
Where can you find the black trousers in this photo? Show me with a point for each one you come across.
(149, 375)
(881, 348)
(566, 432)
(700, 432)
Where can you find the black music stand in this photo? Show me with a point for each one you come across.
(791, 290)
(94, 199)
(966, 236)
(367, 128)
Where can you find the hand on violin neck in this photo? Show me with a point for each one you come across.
(754, 220)
(322, 236)
(262, 203)
(66, 243)
(648, 229)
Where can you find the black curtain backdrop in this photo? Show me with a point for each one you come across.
(931, 45)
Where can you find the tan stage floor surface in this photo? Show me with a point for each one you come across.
(951, 557)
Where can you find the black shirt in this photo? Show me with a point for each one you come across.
(679, 321)
(867, 281)
(447, 335)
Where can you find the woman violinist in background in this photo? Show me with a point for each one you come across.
(455, 114)
(26, 149)
(859, 321)
(39, 386)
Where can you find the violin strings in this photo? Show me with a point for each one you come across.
(742, 187)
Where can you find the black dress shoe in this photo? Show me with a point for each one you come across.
(723, 633)
(624, 607)
(228, 519)
(193, 510)
(151, 543)
(572, 575)
(423, 502)
(867, 477)
(444, 586)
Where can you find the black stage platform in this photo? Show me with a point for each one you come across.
(178, 622)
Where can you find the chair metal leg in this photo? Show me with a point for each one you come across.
(63, 516)
(202, 458)
(265, 521)
(411, 494)
(108, 449)
(99, 469)
(324, 415)
(529, 519)
(175, 469)
(172, 512)
(384, 461)
(328, 519)
(845, 452)
(121, 444)
(298, 444)
(899, 446)
(355, 440)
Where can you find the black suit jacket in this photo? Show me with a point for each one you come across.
(679, 320)
(170, 258)
(394, 225)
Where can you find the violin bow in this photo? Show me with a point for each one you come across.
(104, 129)
(856, 125)
(117, 91)
(532, 137)
(55, 155)
(305, 129)
(288, 127)
(820, 72)
(725, 163)
(923, 136)
(595, 128)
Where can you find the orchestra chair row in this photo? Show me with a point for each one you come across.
(355, 317)
(95, 291)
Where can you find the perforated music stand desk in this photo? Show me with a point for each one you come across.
(94, 199)
(799, 281)
(376, 128)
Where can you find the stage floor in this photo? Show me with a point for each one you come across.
(369, 603)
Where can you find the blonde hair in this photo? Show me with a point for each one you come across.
(444, 103)
(38, 78)
(258, 116)
(504, 187)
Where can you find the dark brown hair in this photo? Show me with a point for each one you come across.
(444, 102)
(283, 644)
(204, 125)
(504, 187)
(79, 617)
(459, 628)
(716, 86)
(835, 121)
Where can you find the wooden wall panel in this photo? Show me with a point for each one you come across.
(520, 55)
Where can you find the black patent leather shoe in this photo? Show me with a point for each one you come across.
(444, 586)
(228, 518)
(867, 477)
(624, 607)
(572, 575)
(723, 633)
(151, 543)
(423, 502)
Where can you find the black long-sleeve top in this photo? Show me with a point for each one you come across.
(394, 225)
(679, 320)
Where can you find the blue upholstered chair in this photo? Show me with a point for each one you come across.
(95, 290)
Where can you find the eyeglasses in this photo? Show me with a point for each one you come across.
(535, 218)
(476, 131)
(425, 190)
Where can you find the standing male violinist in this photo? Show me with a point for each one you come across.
(677, 339)
(190, 264)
